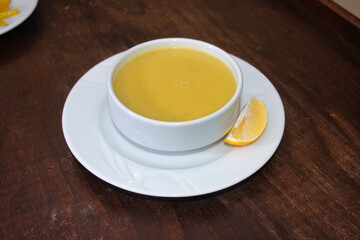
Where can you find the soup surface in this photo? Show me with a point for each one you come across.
(174, 84)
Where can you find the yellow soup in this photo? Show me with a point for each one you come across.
(174, 84)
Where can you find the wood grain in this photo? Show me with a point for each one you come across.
(335, 17)
(310, 188)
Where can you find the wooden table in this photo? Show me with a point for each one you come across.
(310, 188)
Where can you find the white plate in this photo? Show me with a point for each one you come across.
(101, 149)
(26, 7)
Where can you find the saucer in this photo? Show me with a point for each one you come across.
(105, 152)
(25, 7)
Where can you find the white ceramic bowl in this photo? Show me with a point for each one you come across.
(174, 136)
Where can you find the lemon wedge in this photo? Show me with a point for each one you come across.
(4, 5)
(5, 12)
(250, 124)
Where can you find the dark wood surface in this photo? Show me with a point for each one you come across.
(335, 17)
(310, 188)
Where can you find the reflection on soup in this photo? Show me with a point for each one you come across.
(174, 84)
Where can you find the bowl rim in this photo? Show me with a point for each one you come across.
(189, 42)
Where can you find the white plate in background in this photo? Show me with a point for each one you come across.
(26, 7)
